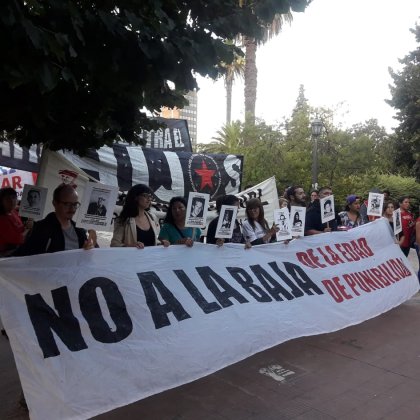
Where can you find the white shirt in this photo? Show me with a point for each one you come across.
(251, 234)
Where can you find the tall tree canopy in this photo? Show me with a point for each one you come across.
(406, 99)
(75, 74)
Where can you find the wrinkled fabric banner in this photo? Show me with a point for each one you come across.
(95, 330)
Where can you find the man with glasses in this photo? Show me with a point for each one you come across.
(313, 223)
(58, 232)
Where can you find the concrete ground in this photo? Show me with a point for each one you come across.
(369, 371)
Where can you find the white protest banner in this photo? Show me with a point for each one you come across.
(282, 222)
(297, 220)
(396, 221)
(97, 209)
(327, 208)
(197, 207)
(226, 223)
(375, 204)
(95, 330)
(33, 202)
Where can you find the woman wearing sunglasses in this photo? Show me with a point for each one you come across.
(136, 226)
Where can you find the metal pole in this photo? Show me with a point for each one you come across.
(315, 162)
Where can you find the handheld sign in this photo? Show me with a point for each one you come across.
(33, 202)
(226, 222)
(396, 220)
(97, 207)
(196, 215)
(297, 220)
(282, 221)
(375, 204)
(327, 208)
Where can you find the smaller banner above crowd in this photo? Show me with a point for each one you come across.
(16, 179)
(174, 135)
(99, 329)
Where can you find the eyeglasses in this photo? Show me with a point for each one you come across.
(146, 195)
(69, 205)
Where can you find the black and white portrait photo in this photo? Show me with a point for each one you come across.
(197, 207)
(33, 202)
(33, 198)
(97, 208)
(375, 204)
(227, 219)
(327, 208)
(226, 222)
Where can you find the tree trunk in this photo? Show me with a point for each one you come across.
(250, 79)
(229, 84)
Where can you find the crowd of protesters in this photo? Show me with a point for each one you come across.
(137, 227)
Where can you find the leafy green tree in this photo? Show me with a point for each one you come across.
(406, 99)
(76, 74)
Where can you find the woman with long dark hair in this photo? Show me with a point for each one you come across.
(255, 229)
(173, 229)
(136, 226)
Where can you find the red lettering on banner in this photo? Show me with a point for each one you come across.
(5, 183)
(372, 279)
(343, 253)
(351, 283)
(17, 182)
(305, 260)
(336, 289)
(309, 259)
(352, 251)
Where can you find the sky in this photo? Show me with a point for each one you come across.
(340, 50)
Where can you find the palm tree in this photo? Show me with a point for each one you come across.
(250, 74)
(228, 140)
(233, 70)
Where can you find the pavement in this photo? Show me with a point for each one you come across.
(370, 371)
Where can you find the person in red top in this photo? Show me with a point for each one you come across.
(407, 220)
(12, 230)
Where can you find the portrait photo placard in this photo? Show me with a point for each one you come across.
(226, 222)
(33, 201)
(297, 220)
(282, 221)
(396, 220)
(196, 215)
(97, 207)
(327, 208)
(375, 204)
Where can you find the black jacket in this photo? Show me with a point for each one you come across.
(47, 236)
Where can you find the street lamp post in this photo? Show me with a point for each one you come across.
(316, 129)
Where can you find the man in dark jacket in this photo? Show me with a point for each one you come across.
(313, 223)
(58, 232)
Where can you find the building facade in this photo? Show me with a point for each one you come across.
(188, 113)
